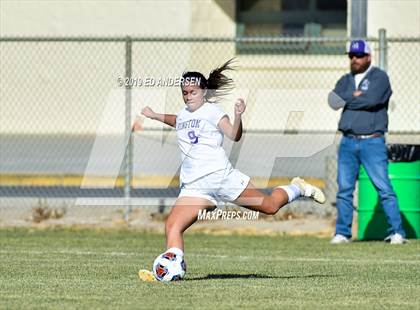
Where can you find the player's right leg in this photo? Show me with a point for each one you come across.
(183, 214)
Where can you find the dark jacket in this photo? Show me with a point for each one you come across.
(367, 113)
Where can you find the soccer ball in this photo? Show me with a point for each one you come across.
(169, 267)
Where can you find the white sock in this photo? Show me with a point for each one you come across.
(292, 191)
(176, 251)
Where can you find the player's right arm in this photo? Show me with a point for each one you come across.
(168, 119)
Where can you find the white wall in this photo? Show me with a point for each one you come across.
(166, 17)
(398, 17)
(94, 18)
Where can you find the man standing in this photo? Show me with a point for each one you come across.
(364, 95)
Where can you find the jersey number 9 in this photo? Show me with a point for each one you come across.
(193, 137)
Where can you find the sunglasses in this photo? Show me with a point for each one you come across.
(357, 55)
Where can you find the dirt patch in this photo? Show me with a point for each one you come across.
(151, 220)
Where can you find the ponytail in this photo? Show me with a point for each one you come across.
(217, 84)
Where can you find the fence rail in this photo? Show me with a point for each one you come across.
(195, 39)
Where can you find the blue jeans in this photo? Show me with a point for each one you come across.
(372, 154)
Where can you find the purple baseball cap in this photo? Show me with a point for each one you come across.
(359, 47)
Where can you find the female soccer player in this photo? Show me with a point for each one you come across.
(207, 177)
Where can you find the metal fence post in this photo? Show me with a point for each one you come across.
(128, 164)
(358, 19)
(383, 52)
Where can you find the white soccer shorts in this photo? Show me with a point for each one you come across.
(217, 187)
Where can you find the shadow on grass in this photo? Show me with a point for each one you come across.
(256, 276)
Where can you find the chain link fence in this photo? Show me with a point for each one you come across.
(67, 105)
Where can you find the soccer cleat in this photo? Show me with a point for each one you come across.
(308, 190)
(395, 239)
(339, 239)
(146, 276)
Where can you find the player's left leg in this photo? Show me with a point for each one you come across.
(252, 198)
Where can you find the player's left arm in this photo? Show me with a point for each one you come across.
(377, 94)
(233, 131)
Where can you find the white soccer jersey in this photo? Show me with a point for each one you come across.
(200, 141)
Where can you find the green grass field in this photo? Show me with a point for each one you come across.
(85, 269)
